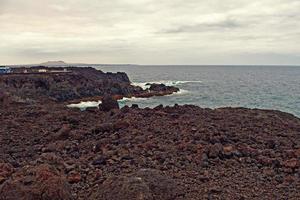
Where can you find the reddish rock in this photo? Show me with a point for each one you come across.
(265, 160)
(215, 150)
(146, 184)
(41, 182)
(131, 139)
(228, 149)
(292, 163)
(121, 124)
(108, 103)
(5, 171)
(74, 177)
(63, 133)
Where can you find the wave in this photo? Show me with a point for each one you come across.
(125, 99)
(85, 104)
(166, 82)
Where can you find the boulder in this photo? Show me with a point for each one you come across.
(145, 184)
(4, 98)
(108, 103)
(5, 171)
(162, 88)
(41, 182)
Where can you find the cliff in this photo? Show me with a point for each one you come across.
(71, 83)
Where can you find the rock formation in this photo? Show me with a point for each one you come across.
(74, 84)
(41, 182)
(108, 103)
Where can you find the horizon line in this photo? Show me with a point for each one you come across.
(127, 64)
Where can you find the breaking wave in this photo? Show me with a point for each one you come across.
(166, 82)
(125, 99)
(85, 104)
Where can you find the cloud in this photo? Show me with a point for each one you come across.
(201, 27)
(149, 31)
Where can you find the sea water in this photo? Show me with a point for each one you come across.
(265, 87)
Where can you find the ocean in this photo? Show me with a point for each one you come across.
(265, 87)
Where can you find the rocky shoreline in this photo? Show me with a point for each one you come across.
(50, 151)
(73, 84)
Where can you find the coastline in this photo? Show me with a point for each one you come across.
(195, 153)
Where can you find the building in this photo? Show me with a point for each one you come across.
(60, 71)
(5, 70)
(42, 70)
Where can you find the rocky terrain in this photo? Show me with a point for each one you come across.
(51, 152)
(72, 83)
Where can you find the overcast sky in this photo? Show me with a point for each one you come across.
(150, 31)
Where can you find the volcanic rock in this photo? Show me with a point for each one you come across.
(146, 184)
(108, 103)
(74, 177)
(225, 153)
(41, 182)
(161, 87)
(5, 171)
(72, 84)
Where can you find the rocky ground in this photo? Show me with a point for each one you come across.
(51, 152)
(180, 152)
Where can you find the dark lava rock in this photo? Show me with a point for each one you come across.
(41, 182)
(162, 87)
(79, 82)
(146, 184)
(228, 153)
(63, 133)
(99, 161)
(134, 106)
(109, 127)
(5, 171)
(109, 103)
(5, 99)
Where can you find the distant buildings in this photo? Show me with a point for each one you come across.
(42, 70)
(5, 70)
(33, 70)
(59, 71)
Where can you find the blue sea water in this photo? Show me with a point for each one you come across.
(266, 87)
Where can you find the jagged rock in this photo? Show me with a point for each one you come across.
(229, 148)
(109, 103)
(76, 84)
(5, 99)
(215, 150)
(41, 182)
(146, 184)
(6, 170)
(74, 177)
(135, 106)
(292, 163)
(63, 133)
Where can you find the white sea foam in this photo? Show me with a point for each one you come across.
(166, 82)
(85, 104)
(125, 99)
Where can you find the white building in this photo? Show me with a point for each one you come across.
(42, 70)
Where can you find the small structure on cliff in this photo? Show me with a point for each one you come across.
(42, 70)
(5, 70)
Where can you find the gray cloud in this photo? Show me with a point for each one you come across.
(201, 27)
(150, 31)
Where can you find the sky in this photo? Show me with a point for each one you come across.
(169, 32)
